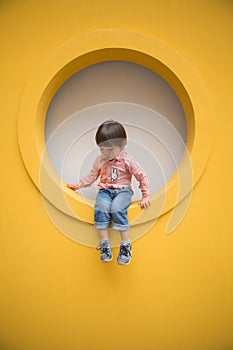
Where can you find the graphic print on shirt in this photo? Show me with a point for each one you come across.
(114, 174)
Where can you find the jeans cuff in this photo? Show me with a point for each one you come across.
(120, 227)
(101, 225)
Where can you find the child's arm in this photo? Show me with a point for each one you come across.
(144, 186)
(87, 180)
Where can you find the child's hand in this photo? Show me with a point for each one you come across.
(144, 203)
(73, 187)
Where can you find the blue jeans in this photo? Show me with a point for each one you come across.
(112, 205)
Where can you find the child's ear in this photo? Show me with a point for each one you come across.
(124, 143)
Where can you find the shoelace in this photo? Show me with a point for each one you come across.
(125, 250)
(104, 249)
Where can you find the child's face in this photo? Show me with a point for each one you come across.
(110, 153)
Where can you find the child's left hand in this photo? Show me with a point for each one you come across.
(73, 187)
(144, 203)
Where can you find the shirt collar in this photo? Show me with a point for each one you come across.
(122, 154)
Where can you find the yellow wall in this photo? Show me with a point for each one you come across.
(178, 291)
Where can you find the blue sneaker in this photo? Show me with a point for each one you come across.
(105, 250)
(125, 253)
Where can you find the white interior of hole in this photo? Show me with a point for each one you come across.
(129, 93)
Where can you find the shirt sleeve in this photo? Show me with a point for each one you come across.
(136, 170)
(89, 179)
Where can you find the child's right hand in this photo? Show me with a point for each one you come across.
(73, 187)
(144, 203)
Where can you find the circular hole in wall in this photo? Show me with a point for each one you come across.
(127, 92)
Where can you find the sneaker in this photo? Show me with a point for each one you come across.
(125, 253)
(105, 250)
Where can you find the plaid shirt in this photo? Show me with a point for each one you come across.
(116, 173)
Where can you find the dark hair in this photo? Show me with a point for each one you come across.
(111, 133)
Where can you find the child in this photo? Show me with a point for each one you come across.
(115, 168)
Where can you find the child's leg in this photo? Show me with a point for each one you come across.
(102, 217)
(103, 233)
(125, 237)
(102, 220)
(119, 210)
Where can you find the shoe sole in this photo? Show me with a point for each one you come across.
(123, 263)
(106, 261)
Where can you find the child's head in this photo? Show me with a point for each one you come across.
(110, 134)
